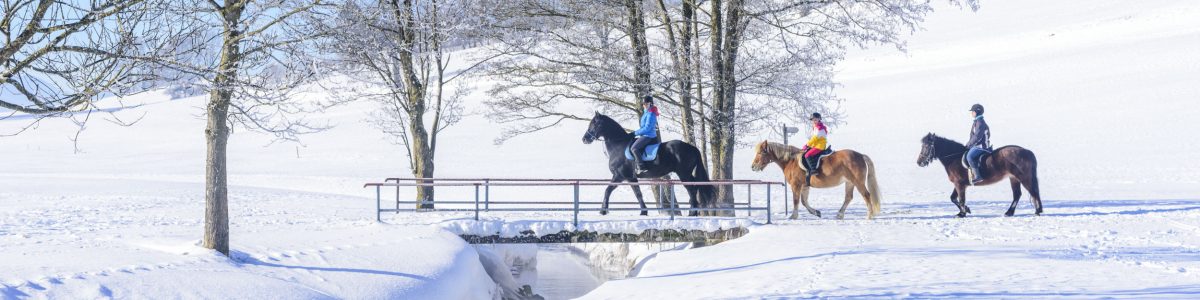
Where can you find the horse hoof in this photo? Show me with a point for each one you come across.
(968, 209)
(962, 215)
(644, 213)
(817, 213)
(841, 217)
(1038, 213)
(794, 217)
(603, 212)
(1008, 214)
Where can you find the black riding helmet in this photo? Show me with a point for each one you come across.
(816, 116)
(647, 99)
(978, 109)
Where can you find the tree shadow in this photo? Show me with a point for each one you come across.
(244, 259)
(1145, 207)
(1182, 291)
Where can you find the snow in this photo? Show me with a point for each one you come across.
(512, 228)
(1102, 91)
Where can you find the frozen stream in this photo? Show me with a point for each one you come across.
(567, 271)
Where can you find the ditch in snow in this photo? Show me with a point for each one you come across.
(565, 270)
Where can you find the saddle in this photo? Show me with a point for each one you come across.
(982, 158)
(650, 154)
(820, 156)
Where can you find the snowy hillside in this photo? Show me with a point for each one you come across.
(1104, 92)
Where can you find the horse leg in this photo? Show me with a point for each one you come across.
(693, 192)
(954, 199)
(637, 192)
(862, 189)
(962, 201)
(608, 192)
(849, 196)
(804, 200)
(795, 202)
(1016, 188)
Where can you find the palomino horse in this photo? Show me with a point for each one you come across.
(676, 156)
(844, 166)
(1017, 164)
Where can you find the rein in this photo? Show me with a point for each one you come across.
(934, 146)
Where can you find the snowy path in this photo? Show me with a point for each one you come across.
(1084, 249)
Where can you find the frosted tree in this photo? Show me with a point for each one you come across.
(732, 66)
(253, 58)
(557, 52)
(61, 57)
(397, 54)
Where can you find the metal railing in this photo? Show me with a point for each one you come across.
(484, 204)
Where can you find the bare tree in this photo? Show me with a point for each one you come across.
(567, 51)
(399, 54)
(60, 57)
(767, 61)
(253, 57)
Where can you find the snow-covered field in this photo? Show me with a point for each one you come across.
(1103, 91)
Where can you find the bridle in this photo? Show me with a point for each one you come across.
(591, 134)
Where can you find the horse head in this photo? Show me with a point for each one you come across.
(762, 156)
(591, 134)
(927, 150)
(603, 128)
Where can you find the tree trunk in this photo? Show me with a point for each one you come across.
(726, 39)
(641, 51)
(216, 191)
(681, 60)
(422, 154)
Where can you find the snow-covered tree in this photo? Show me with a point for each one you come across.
(253, 58)
(60, 57)
(733, 66)
(398, 54)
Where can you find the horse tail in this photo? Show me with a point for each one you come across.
(700, 173)
(872, 188)
(1034, 188)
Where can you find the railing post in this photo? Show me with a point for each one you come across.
(672, 208)
(749, 201)
(476, 202)
(786, 196)
(487, 195)
(769, 203)
(377, 208)
(575, 220)
(398, 197)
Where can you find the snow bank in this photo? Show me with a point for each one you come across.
(512, 228)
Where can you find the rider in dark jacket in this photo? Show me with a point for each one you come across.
(979, 143)
(646, 134)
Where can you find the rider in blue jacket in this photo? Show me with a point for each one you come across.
(647, 132)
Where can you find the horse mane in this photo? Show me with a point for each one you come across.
(612, 127)
(782, 152)
(944, 145)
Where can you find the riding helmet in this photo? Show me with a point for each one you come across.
(647, 99)
(815, 116)
(978, 109)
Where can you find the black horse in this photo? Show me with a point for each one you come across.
(675, 156)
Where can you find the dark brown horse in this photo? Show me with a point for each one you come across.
(1017, 164)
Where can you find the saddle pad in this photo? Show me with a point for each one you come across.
(651, 152)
